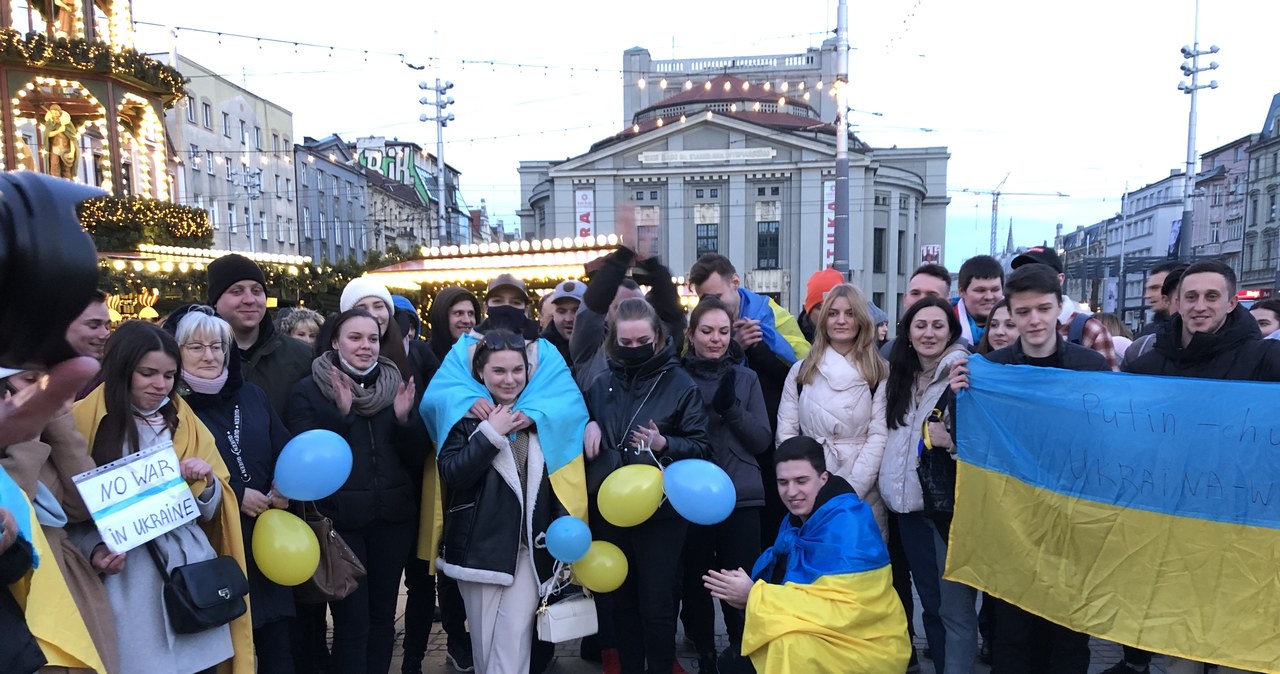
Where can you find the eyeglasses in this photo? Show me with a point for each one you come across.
(503, 342)
(197, 348)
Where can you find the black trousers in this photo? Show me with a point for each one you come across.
(901, 573)
(420, 601)
(1025, 642)
(730, 544)
(364, 623)
(310, 642)
(644, 607)
(271, 645)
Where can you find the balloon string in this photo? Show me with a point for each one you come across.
(644, 448)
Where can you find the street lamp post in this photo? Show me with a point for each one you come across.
(251, 180)
(442, 120)
(1182, 244)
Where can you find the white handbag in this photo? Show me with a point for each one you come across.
(567, 619)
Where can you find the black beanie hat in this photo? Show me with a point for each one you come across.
(229, 270)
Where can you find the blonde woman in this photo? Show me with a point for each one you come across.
(836, 394)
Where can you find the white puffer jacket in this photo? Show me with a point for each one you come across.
(839, 410)
(899, 481)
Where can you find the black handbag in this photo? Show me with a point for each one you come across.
(202, 595)
(937, 470)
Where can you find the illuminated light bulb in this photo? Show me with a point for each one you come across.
(707, 86)
(682, 118)
(782, 101)
(784, 87)
(768, 86)
(435, 250)
(635, 128)
(688, 84)
(662, 83)
(537, 245)
(153, 266)
(602, 240)
(184, 267)
(659, 121)
(709, 114)
(819, 84)
(640, 83)
(746, 86)
(756, 107)
(119, 265)
(806, 95)
(167, 267)
(524, 245)
(727, 86)
(733, 107)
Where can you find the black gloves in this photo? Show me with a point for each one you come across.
(725, 396)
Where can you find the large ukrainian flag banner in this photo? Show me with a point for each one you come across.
(1143, 510)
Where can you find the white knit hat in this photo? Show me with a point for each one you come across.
(360, 288)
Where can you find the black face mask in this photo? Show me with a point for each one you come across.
(631, 356)
(507, 317)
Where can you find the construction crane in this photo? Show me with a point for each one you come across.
(995, 204)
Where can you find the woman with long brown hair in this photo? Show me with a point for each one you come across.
(836, 394)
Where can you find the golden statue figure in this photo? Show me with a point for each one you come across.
(61, 143)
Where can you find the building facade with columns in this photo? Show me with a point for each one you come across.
(731, 166)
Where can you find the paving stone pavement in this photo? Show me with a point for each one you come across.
(567, 661)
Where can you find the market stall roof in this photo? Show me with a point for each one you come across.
(531, 260)
(155, 258)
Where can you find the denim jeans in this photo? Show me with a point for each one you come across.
(920, 541)
(959, 617)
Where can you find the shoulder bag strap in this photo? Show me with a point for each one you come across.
(155, 557)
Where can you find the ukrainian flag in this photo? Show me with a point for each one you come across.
(551, 399)
(781, 331)
(1143, 510)
(835, 609)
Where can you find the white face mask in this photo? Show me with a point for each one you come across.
(146, 413)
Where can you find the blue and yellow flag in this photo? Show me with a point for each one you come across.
(836, 609)
(781, 331)
(551, 399)
(1143, 510)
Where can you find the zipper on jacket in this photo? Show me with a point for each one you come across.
(373, 456)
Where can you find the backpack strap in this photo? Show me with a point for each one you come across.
(1076, 332)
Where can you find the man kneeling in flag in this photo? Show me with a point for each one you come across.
(822, 598)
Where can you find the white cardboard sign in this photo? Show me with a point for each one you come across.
(137, 498)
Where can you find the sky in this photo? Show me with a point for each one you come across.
(1078, 98)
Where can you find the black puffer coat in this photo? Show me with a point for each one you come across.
(658, 390)
(385, 454)
(18, 649)
(484, 507)
(1236, 351)
(742, 432)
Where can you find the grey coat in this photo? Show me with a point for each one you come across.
(742, 432)
(147, 644)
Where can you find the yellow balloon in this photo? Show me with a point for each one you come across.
(285, 548)
(630, 495)
(602, 569)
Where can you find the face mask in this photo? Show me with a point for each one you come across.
(147, 413)
(507, 317)
(635, 355)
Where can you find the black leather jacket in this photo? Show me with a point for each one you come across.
(658, 390)
(483, 510)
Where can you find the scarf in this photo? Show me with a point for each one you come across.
(203, 385)
(970, 331)
(366, 401)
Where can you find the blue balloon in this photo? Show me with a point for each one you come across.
(699, 490)
(568, 539)
(313, 465)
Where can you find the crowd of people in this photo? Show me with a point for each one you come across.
(474, 430)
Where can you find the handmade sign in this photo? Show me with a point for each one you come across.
(1143, 510)
(137, 498)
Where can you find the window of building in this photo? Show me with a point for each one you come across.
(279, 192)
(878, 251)
(775, 191)
(275, 143)
(1253, 211)
(293, 232)
(715, 193)
(708, 238)
(767, 244)
(206, 112)
(759, 191)
(1271, 207)
(195, 158)
(877, 299)
(639, 195)
(191, 109)
(244, 133)
(257, 137)
(1214, 231)
(1240, 153)
(699, 194)
(902, 252)
(226, 124)
(306, 222)
(208, 161)
(231, 172)
(288, 189)
(231, 218)
(262, 222)
(882, 199)
(902, 202)
(653, 195)
(302, 176)
(280, 228)
(1217, 195)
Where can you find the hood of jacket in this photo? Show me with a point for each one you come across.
(438, 316)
